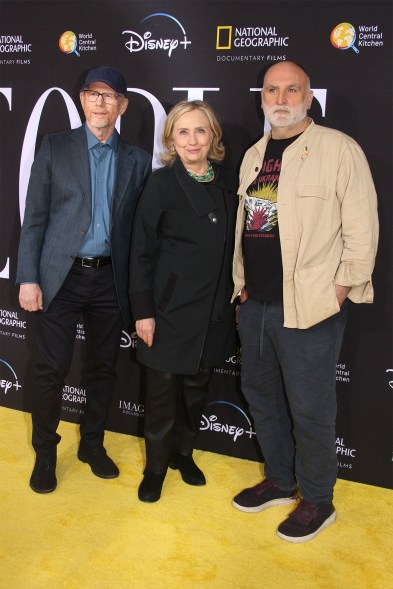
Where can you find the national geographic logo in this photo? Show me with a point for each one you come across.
(224, 37)
(11, 324)
(344, 454)
(11, 319)
(229, 37)
(14, 44)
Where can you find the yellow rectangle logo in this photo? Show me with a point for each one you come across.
(224, 37)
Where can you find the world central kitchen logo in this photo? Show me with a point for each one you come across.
(166, 34)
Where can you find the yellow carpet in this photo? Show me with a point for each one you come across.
(95, 534)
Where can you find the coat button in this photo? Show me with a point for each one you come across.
(256, 169)
(83, 231)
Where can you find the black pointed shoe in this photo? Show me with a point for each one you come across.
(43, 478)
(150, 488)
(190, 473)
(99, 462)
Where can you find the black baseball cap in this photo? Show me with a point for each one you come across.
(107, 75)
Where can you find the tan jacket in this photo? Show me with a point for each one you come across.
(327, 214)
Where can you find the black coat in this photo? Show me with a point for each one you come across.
(181, 269)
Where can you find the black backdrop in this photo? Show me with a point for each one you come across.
(168, 51)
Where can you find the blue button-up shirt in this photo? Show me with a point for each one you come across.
(102, 161)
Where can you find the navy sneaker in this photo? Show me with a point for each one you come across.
(264, 495)
(306, 521)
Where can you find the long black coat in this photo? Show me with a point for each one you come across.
(181, 269)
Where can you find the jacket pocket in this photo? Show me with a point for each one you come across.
(312, 203)
(168, 291)
(315, 294)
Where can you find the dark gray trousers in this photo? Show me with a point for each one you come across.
(289, 381)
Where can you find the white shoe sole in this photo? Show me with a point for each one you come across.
(267, 505)
(298, 539)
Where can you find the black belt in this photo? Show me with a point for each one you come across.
(93, 262)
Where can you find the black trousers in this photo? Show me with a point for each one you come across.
(173, 410)
(89, 292)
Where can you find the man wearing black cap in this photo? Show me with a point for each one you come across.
(73, 260)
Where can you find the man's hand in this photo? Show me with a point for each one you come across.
(342, 293)
(145, 330)
(30, 297)
(243, 295)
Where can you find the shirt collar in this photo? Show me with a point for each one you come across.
(92, 140)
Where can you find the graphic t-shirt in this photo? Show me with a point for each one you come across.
(261, 236)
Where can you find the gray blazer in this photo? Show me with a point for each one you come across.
(58, 212)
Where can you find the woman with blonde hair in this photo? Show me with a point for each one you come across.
(181, 283)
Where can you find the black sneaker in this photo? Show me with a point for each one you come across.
(262, 496)
(43, 478)
(306, 521)
(99, 462)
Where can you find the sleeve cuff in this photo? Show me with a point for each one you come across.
(142, 305)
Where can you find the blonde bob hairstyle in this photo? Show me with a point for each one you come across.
(217, 149)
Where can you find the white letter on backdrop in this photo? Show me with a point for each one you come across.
(7, 92)
(196, 93)
(5, 272)
(29, 142)
(159, 119)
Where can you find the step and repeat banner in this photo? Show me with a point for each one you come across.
(212, 50)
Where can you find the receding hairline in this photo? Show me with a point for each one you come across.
(292, 63)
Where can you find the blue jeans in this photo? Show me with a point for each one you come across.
(289, 381)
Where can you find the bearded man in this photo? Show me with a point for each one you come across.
(306, 240)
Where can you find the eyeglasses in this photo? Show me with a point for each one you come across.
(107, 97)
